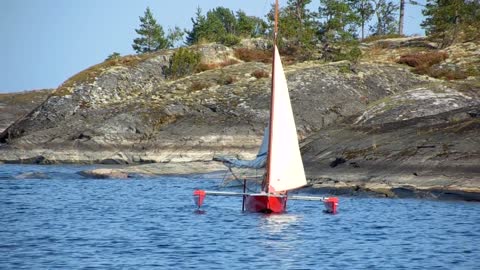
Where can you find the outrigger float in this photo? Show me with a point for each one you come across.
(279, 154)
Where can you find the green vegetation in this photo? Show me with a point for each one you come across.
(223, 26)
(452, 20)
(296, 28)
(182, 63)
(152, 37)
(333, 31)
(330, 33)
(385, 12)
(114, 55)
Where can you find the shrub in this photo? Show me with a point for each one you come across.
(230, 40)
(199, 85)
(253, 55)
(260, 73)
(422, 62)
(182, 63)
(226, 79)
(114, 55)
(422, 59)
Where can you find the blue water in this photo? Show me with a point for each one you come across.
(53, 218)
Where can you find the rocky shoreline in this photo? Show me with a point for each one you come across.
(372, 127)
(369, 182)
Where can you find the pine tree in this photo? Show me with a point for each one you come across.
(295, 25)
(194, 35)
(386, 22)
(364, 9)
(219, 25)
(340, 21)
(174, 36)
(250, 26)
(152, 37)
(448, 19)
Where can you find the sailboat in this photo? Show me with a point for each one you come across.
(279, 153)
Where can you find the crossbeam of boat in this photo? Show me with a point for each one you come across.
(330, 203)
(225, 193)
(290, 197)
(307, 198)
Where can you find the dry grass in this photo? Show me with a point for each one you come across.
(380, 37)
(253, 55)
(423, 63)
(199, 85)
(208, 66)
(88, 75)
(26, 97)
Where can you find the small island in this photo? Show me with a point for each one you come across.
(391, 116)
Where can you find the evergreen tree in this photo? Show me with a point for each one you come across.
(174, 36)
(151, 35)
(250, 26)
(219, 25)
(386, 22)
(340, 21)
(222, 25)
(198, 28)
(114, 55)
(295, 24)
(226, 17)
(364, 9)
(447, 19)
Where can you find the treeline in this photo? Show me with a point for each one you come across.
(335, 24)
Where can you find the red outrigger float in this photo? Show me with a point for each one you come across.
(279, 153)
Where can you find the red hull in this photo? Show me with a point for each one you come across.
(263, 203)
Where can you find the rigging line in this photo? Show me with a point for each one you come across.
(225, 176)
(239, 180)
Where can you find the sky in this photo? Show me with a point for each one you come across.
(44, 42)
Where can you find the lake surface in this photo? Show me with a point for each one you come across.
(53, 218)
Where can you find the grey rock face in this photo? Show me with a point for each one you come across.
(171, 120)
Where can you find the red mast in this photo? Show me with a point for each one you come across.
(270, 126)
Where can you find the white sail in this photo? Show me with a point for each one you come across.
(285, 168)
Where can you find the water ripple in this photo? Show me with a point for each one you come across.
(61, 220)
